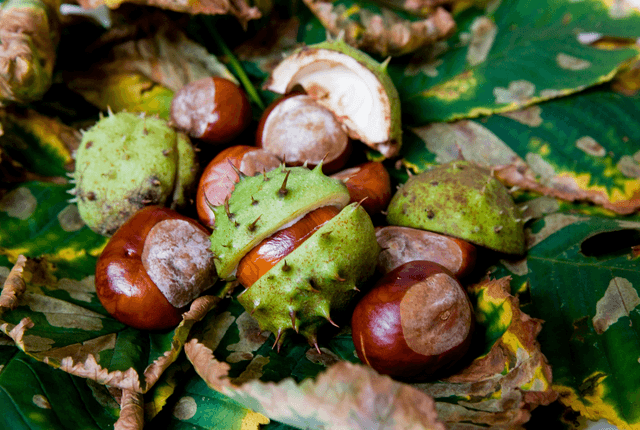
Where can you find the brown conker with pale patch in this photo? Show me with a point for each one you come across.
(415, 323)
(153, 267)
(213, 109)
(220, 176)
(402, 244)
(298, 130)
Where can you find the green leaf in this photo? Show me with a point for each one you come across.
(584, 283)
(578, 148)
(36, 396)
(41, 144)
(59, 319)
(536, 55)
(196, 406)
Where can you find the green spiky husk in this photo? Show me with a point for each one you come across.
(319, 277)
(258, 207)
(126, 162)
(463, 200)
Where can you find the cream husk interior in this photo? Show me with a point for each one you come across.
(344, 86)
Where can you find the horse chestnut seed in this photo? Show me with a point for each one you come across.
(221, 175)
(212, 109)
(153, 267)
(415, 324)
(368, 183)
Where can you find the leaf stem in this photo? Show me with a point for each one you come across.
(235, 64)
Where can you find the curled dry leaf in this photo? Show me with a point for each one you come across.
(14, 286)
(345, 396)
(382, 30)
(29, 31)
(131, 411)
(501, 387)
(238, 8)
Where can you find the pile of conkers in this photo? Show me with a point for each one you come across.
(305, 245)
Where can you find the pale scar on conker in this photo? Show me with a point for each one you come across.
(178, 260)
(432, 329)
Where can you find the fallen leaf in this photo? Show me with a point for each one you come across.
(380, 30)
(502, 386)
(238, 8)
(30, 32)
(345, 396)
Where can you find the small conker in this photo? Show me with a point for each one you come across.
(153, 267)
(415, 323)
(402, 244)
(368, 183)
(271, 250)
(219, 177)
(213, 109)
(299, 130)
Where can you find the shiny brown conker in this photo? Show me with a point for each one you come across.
(271, 250)
(368, 183)
(402, 244)
(153, 266)
(213, 109)
(219, 177)
(415, 323)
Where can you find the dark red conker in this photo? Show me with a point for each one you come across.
(415, 324)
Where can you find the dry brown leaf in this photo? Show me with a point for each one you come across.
(14, 286)
(131, 411)
(345, 396)
(385, 33)
(29, 32)
(271, 43)
(238, 8)
(501, 387)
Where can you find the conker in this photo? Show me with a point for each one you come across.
(153, 267)
(219, 177)
(415, 323)
(213, 109)
(402, 244)
(368, 183)
(271, 250)
(299, 130)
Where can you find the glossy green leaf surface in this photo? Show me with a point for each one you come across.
(585, 283)
(563, 135)
(534, 53)
(577, 148)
